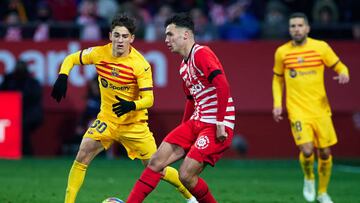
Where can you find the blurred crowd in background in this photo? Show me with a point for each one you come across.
(234, 20)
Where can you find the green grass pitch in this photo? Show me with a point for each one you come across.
(231, 181)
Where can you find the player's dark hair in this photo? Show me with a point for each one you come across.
(124, 20)
(181, 20)
(299, 15)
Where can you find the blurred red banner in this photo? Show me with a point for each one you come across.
(10, 125)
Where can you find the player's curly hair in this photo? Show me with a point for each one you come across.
(181, 20)
(124, 20)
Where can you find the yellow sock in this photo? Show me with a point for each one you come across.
(172, 176)
(324, 170)
(75, 180)
(307, 165)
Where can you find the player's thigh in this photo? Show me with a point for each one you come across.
(302, 131)
(88, 149)
(166, 155)
(183, 135)
(326, 135)
(206, 147)
(101, 130)
(137, 139)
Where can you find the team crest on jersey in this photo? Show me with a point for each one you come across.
(202, 142)
(293, 73)
(300, 59)
(104, 83)
(115, 72)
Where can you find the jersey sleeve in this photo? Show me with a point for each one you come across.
(278, 79)
(278, 64)
(206, 61)
(143, 76)
(329, 56)
(88, 55)
(82, 57)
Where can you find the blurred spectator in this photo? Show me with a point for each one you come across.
(275, 25)
(156, 30)
(356, 31)
(14, 6)
(217, 13)
(89, 21)
(204, 30)
(21, 80)
(325, 12)
(241, 24)
(63, 10)
(107, 9)
(134, 11)
(13, 31)
(43, 20)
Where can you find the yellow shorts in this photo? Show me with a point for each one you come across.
(136, 137)
(319, 131)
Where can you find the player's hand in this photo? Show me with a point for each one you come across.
(221, 134)
(342, 78)
(122, 107)
(59, 89)
(277, 111)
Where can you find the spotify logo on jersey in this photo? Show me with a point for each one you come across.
(104, 82)
(293, 73)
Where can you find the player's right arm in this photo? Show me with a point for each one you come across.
(60, 86)
(78, 58)
(277, 86)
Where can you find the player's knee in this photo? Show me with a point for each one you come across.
(186, 178)
(155, 164)
(307, 153)
(83, 156)
(324, 154)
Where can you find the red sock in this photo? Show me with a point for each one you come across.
(146, 183)
(202, 193)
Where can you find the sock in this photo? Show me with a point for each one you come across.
(307, 165)
(172, 176)
(202, 193)
(75, 180)
(146, 184)
(324, 170)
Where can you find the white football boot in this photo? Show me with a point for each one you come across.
(324, 198)
(309, 190)
(192, 200)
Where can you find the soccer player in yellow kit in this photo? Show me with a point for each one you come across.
(125, 82)
(300, 64)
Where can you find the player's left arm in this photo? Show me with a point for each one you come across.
(214, 72)
(332, 61)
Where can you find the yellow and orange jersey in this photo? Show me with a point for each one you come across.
(128, 77)
(303, 70)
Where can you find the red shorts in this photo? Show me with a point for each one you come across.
(198, 139)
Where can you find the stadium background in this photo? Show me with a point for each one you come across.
(247, 56)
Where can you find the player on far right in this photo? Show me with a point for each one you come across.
(299, 64)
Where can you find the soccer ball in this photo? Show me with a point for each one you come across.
(113, 200)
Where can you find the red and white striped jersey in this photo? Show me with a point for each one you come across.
(195, 72)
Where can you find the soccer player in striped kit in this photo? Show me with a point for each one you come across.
(126, 88)
(299, 65)
(207, 127)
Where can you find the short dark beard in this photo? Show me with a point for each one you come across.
(300, 41)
